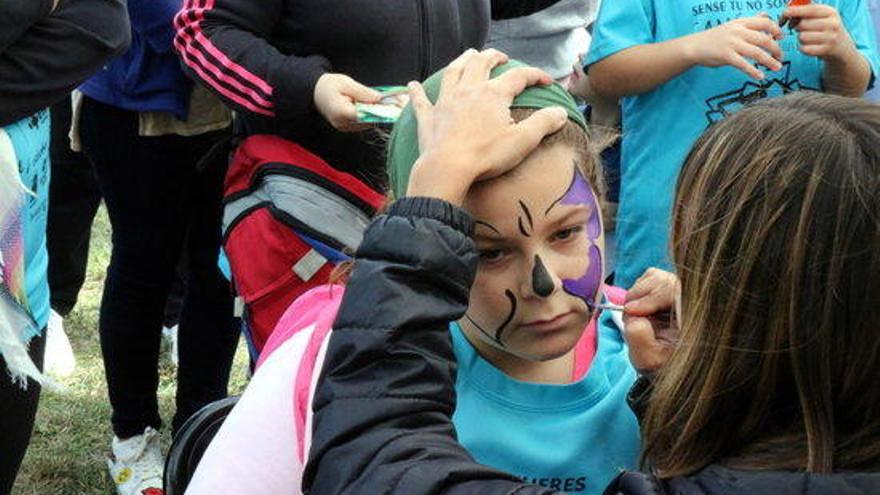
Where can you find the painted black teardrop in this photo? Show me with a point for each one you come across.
(542, 282)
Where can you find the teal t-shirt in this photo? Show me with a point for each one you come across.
(660, 126)
(574, 438)
(30, 139)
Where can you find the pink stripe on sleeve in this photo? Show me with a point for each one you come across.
(219, 79)
(192, 50)
(187, 59)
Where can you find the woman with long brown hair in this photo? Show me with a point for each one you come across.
(766, 383)
(777, 249)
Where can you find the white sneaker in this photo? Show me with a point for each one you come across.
(138, 465)
(59, 361)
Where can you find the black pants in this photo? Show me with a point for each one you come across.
(19, 408)
(159, 206)
(74, 197)
(73, 201)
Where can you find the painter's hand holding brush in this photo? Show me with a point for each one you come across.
(651, 329)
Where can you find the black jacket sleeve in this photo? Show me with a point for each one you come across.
(384, 404)
(508, 9)
(44, 55)
(227, 47)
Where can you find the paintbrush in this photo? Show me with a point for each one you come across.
(793, 21)
(608, 306)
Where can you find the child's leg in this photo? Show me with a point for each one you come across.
(208, 333)
(144, 181)
(17, 419)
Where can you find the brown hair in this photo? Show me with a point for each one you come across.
(586, 150)
(776, 240)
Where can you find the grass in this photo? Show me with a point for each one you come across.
(67, 454)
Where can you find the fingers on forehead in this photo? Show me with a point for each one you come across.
(516, 80)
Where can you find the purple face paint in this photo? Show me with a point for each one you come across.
(587, 286)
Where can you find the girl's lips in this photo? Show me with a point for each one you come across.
(550, 325)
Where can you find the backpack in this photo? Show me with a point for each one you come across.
(288, 219)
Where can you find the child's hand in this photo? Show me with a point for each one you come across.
(821, 31)
(335, 96)
(469, 135)
(650, 328)
(733, 42)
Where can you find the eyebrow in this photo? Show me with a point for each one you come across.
(487, 225)
(575, 210)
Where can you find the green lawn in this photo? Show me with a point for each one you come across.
(68, 452)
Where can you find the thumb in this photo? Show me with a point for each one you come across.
(358, 92)
(422, 106)
(525, 136)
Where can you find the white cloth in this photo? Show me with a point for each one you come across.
(254, 452)
(12, 317)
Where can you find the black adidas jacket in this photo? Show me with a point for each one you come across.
(383, 408)
(264, 57)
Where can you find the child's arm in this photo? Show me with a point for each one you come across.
(43, 63)
(641, 68)
(822, 34)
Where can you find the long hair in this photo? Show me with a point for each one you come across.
(776, 239)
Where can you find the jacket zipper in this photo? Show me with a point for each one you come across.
(424, 56)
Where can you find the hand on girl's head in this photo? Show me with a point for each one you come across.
(468, 134)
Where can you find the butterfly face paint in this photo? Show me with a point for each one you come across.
(519, 309)
(585, 287)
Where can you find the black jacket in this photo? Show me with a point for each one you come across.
(383, 408)
(717, 480)
(264, 58)
(44, 54)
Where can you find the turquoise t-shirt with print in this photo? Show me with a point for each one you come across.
(573, 438)
(30, 140)
(660, 126)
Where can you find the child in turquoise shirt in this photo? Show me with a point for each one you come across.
(680, 65)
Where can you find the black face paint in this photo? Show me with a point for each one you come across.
(522, 229)
(519, 221)
(497, 336)
(525, 210)
(542, 282)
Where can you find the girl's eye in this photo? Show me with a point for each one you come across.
(491, 255)
(567, 233)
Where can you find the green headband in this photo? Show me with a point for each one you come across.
(403, 150)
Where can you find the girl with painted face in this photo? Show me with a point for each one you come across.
(538, 365)
(764, 384)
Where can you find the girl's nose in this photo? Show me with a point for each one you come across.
(543, 283)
